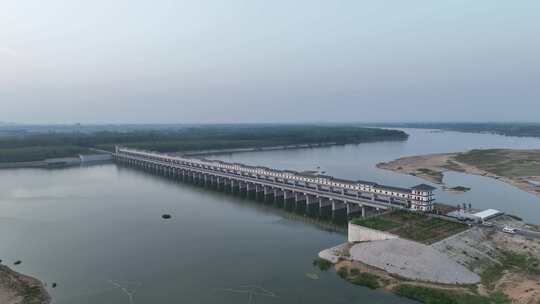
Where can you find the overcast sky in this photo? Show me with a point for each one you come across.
(129, 61)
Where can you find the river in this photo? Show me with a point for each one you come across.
(92, 229)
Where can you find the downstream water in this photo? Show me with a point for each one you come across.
(91, 228)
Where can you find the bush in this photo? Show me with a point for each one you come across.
(343, 272)
(322, 264)
(438, 296)
(366, 279)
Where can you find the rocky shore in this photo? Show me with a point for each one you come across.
(16, 288)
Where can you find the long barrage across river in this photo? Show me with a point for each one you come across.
(418, 198)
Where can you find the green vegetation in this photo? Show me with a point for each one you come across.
(414, 226)
(424, 228)
(355, 276)
(503, 162)
(436, 175)
(439, 296)
(365, 279)
(34, 153)
(460, 189)
(32, 294)
(343, 272)
(39, 146)
(322, 264)
(377, 223)
(511, 261)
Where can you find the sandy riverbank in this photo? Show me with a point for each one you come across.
(16, 288)
(515, 167)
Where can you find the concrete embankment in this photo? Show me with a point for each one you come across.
(359, 233)
(413, 261)
(407, 259)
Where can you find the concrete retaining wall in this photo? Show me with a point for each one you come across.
(362, 234)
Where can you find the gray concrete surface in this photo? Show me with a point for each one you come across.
(413, 260)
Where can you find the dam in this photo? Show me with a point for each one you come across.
(314, 193)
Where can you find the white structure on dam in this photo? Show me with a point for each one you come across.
(321, 193)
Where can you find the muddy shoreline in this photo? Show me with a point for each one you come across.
(17, 288)
(431, 167)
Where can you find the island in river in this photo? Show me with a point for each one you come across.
(520, 168)
(16, 288)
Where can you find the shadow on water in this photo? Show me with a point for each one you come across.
(285, 209)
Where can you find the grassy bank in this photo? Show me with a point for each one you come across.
(440, 296)
(423, 292)
(39, 146)
(503, 162)
(360, 278)
(511, 261)
(413, 226)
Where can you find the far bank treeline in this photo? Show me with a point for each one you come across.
(40, 146)
(519, 129)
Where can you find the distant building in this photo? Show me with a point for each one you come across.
(479, 217)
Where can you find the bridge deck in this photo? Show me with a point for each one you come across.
(273, 184)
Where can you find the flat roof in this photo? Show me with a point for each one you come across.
(424, 187)
(392, 188)
(487, 213)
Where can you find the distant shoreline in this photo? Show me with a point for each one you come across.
(59, 162)
(431, 167)
(257, 149)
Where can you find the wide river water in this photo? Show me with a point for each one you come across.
(97, 231)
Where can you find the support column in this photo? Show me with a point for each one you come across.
(234, 186)
(268, 194)
(242, 187)
(354, 210)
(259, 192)
(339, 211)
(325, 207)
(287, 195)
(218, 182)
(299, 200)
(278, 194)
(312, 205)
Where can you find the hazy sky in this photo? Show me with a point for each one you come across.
(128, 61)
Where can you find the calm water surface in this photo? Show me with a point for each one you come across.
(91, 228)
(358, 162)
